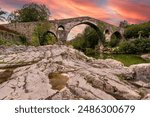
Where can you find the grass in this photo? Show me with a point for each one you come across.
(10, 42)
(58, 81)
(126, 59)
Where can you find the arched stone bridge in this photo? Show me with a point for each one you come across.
(61, 28)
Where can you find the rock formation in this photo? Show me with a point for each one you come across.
(59, 72)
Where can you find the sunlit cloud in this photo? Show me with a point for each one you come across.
(134, 11)
(111, 11)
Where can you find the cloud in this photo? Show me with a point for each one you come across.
(111, 11)
(63, 9)
(134, 11)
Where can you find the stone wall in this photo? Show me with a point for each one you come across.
(25, 29)
(8, 35)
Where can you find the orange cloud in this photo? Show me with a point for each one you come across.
(65, 8)
(74, 8)
(113, 11)
(134, 12)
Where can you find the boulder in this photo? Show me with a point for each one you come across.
(60, 72)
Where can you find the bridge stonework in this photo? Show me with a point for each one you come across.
(62, 27)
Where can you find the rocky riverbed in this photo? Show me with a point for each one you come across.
(60, 72)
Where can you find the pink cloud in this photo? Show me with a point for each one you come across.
(65, 8)
(113, 12)
(134, 12)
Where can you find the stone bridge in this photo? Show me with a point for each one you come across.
(61, 28)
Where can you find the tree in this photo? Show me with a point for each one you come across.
(134, 29)
(88, 41)
(29, 13)
(2, 18)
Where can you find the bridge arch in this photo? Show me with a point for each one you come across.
(94, 26)
(51, 35)
(107, 31)
(61, 28)
(115, 39)
(117, 34)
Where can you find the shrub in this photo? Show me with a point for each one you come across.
(114, 41)
(135, 47)
(2, 42)
(9, 42)
(41, 36)
(132, 31)
(90, 52)
(23, 40)
(48, 39)
(127, 47)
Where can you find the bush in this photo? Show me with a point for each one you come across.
(40, 35)
(2, 42)
(9, 42)
(135, 47)
(114, 41)
(90, 52)
(23, 40)
(87, 41)
(48, 39)
(127, 47)
(132, 31)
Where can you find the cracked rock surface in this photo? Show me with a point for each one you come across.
(59, 72)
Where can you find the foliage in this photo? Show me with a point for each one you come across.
(40, 35)
(48, 39)
(135, 47)
(30, 12)
(2, 41)
(2, 18)
(87, 41)
(133, 31)
(90, 52)
(114, 41)
(21, 41)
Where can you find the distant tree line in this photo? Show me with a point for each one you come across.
(137, 30)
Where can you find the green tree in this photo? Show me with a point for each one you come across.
(88, 41)
(2, 18)
(41, 36)
(135, 47)
(30, 12)
(134, 30)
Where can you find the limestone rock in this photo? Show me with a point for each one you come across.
(141, 72)
(25, 74)
(146, 56)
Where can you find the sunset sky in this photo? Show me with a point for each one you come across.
(111, 11)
